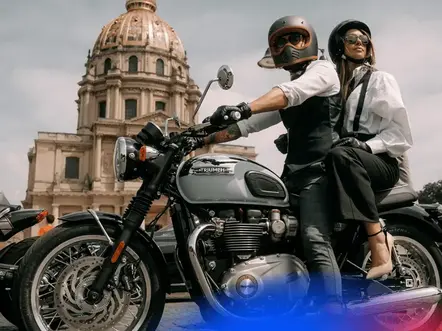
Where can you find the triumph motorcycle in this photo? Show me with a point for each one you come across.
(13, 220)
(238, 247)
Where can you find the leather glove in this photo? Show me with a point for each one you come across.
(217, 117)
(353, 142)
(282, 143)
(193, 144)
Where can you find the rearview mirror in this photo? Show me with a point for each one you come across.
(225, 77)
(225, 81)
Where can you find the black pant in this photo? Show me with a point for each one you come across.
(354, 177)
(316, 225)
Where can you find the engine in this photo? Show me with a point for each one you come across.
(245, 238)
(254, 261)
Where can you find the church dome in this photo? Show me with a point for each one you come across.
(140, 26)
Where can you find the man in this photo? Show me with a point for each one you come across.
(48, 227)
(303, 105)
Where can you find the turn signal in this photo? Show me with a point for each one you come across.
(41, 216)
(142, 155)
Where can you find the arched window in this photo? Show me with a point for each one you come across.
(131, 108)
(72, 168)
(160, 106)
(180, 72)
(160, 67)
(107, 66)
(133, 64)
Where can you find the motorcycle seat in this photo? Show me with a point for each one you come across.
(401, 195)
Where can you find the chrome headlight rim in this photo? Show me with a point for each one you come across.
(120, 159)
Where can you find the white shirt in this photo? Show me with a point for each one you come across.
(319, 79)
(383, 114)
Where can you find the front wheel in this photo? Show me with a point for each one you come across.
(62, 264)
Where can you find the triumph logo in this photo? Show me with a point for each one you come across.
(211, 171)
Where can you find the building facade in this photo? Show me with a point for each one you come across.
(137, 72)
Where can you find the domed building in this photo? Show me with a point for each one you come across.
(137, 72)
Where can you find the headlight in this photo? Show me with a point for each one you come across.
(129, 157)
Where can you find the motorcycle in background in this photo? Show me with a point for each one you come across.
(238, 248)
(13, 220)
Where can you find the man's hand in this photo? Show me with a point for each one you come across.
(353, 142)
(282, 143)
(217, 117)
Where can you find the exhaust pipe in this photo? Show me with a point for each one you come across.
(397, 301)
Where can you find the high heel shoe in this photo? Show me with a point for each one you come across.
(386, 268)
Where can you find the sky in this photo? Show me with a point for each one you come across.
(44, 44)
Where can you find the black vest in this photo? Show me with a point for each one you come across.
(309, 128)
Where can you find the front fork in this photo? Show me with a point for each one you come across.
(132, 218)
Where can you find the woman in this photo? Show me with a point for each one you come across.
(374, 131)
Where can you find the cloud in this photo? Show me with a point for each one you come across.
(45, 93)
(44, 46)
(412, 58)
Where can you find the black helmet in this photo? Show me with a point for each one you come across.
(336, 42)
(284, 36)
(267, 60)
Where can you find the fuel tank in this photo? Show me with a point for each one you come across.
(230, 179)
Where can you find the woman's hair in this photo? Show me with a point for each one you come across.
(344, 71)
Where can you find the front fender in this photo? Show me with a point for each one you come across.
(114, 219)
(415, 214)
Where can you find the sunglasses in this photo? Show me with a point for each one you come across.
(293, 38)
(353, 39)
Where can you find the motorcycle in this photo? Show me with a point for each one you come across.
(12, 221)
(238, 247)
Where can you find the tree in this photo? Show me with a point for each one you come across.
(431, 193)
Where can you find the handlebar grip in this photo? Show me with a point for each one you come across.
(234, 115)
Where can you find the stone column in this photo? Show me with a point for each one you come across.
(97, 174)
(176, 105)
(117, 113)
(57, 168)
(143, 103)
(183, 109)
(108, 102)
(55, 212)
(86, 97)
(151, 102)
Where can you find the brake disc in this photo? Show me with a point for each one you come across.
(71, 292)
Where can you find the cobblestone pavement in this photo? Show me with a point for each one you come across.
(178, 316)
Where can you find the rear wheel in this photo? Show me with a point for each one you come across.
(422, 261)
(61, 266)
(13, 256)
